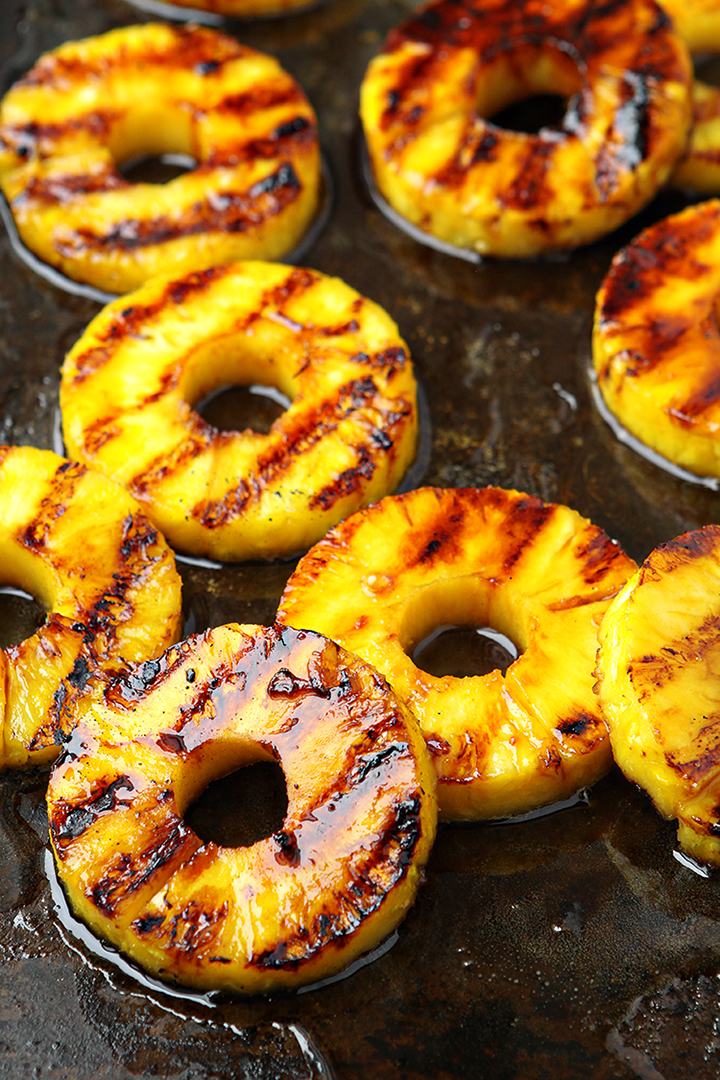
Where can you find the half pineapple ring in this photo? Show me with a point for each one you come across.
(293, 908)
(427, 98)
(385, 578)
(656, 343)
(81, 545)
(659, 685)
(157, 89)
(347, 438)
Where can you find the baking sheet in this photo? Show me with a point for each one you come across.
(573, 945)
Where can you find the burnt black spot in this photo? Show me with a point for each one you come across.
(288, 853)
(146, 923)
(190, 675)
(78, 677)
(575, 725)
(207, 67)
(285, 177)
(284, 684)
(373, 762)
(291, 127)
(68, 823)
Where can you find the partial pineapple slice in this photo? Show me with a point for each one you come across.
(659, 685)
(296, 907)
(247, 9)
(697, 22)
(81, 545)
(440, 163)
(656, 343)
(347, 438)
(385, 578)
(699, 168)
(156, 89)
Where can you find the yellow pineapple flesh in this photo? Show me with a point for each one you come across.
(91, 105)
(699, 168)
(383, 579)
(659, 685)
(80, 544)
(129, 384)
(656, 343)
(293, 908)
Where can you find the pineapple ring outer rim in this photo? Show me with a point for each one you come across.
(98, 270)
(302, 524)
(482, 797)
(692, 448)
(394, 786)
(635, 728)
(215, 12)
(416, 195)
(13, 752)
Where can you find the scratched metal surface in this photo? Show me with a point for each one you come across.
(570, 946)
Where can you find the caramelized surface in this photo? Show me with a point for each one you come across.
(81, 545)
(659, 667)
(347, 438)
(537, 572)
(153, 89)
(298, 906)
(427, 99)
(656, 343)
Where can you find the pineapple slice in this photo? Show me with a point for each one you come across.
(656, 345)
(156, 89)
(385, 578)
(347, 438)
(80, 543)
(659, 685)
(437, 160)
(293, 908)
(699, 168)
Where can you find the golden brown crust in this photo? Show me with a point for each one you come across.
(386, 577)
(445, 167)
(327, 886)
(81, 545)
(92, 103)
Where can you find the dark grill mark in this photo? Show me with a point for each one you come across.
(69, 822)
(226, 212)
(132, 870)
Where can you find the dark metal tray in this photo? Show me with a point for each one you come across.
(573, 945)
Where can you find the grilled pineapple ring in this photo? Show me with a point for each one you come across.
(293, 908)
(659, 663)
(442, 166)
(346, 439)
(382, 580)
(80, 543)
(157, 89)
(656, 343)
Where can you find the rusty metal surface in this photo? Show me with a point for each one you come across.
(570, 946)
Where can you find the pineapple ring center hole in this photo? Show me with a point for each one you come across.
(464, 651)
(533, 114)
(21, 616)
(239, 408)
(242, 808)
(156, 168)
(530, 89)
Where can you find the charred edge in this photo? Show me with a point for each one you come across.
(131, 687)
(262, 97)
(68, 822)
(702, 399)
(132, 871)
(525, 521)
(59, 190)
(219, 212)
(685, 548)
(530, 189)
(598, 555)
(27, 141)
